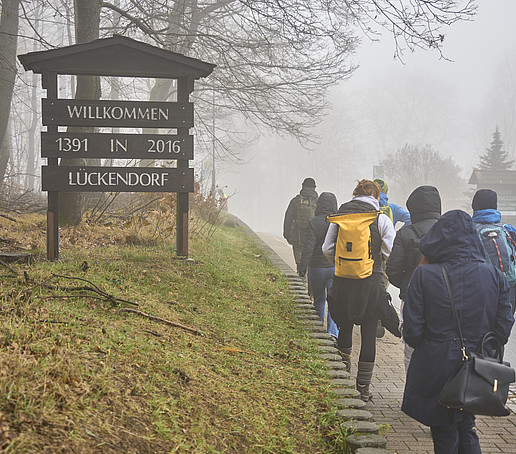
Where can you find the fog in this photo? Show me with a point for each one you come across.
(452, 104)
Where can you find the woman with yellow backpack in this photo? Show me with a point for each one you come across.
(358, 239)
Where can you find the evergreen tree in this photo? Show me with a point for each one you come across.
(495, 158)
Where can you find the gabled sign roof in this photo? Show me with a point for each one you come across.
(116, 56)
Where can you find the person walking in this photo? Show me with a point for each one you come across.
(357, 301)
(300, 209)
(320, 270)
(424, 205)
(394, 212)
(488, 223)
(481, 296)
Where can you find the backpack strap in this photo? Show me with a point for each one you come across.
(419, 233)
(509, 237)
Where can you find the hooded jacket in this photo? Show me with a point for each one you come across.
(315, 233)
(290, 232)
(398, 213)
(480, 294)
(424, 205)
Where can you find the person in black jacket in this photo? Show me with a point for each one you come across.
(300, 209)
(320, 270)
(424, 205)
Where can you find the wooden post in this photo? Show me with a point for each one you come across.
(185, 86)
(49, 82)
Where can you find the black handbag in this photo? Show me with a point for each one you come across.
(481, 383)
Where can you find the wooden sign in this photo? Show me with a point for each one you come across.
(116, 146)
(148, 114)
(116, 179)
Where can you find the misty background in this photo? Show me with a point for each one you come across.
(452, 104)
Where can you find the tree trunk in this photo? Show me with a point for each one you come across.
(5, 152)
(87, 24)
(8, 43)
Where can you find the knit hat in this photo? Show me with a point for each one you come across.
(382, 184)
(484, 199)
(309, 182)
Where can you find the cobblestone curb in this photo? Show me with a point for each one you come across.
(365, 439)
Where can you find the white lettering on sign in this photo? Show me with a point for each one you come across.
(117, 145)
(117, 178)
(117, 113)
(164, 146)
(67, 144)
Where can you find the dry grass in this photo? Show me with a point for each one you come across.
(77, 375)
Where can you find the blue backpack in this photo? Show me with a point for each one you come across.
(499, 249)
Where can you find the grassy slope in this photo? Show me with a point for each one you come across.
(77, 376)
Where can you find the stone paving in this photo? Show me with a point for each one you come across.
(497, 435)
(403, 434)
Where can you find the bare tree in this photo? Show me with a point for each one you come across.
(413, 166)
(277, 58)
(8, 42)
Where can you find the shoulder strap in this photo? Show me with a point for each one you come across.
(454, 310)
(509, 237)
(418, 232)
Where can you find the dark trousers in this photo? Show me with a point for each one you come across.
(457, 438)
(367, 338)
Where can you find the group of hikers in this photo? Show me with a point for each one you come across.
(353, 252)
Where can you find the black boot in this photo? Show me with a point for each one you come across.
(364, 375)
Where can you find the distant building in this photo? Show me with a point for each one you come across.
(504, 183)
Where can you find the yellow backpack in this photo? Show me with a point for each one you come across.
(353, 252)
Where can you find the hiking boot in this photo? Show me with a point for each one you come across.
(365, 394)
(380, 330)
(364, 375)
(345, 354)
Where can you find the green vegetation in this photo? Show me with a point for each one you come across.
(79, 374)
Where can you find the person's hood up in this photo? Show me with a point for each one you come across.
(384, 200)
(488, 216)
(452, 238)
(307, 191)
(424, 203)
(326, 204)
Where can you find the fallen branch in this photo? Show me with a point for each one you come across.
(8, 217)
(159, 319)
(151, 332)
(10, 268)
(91, 288)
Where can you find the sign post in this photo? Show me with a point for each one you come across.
(117, 56)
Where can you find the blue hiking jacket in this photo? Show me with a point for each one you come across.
(398, 213)
(490, 216)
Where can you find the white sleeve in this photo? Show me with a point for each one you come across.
(328, 247)
(387, 233)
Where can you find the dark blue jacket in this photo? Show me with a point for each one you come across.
(480, 293)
